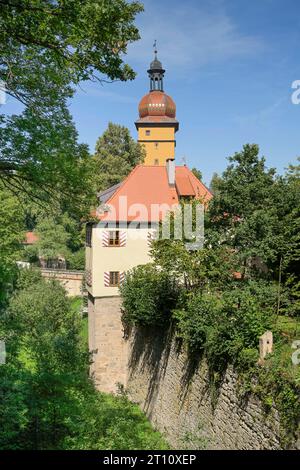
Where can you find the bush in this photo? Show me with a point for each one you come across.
(76, 260)
(226, 327)
(149, 295)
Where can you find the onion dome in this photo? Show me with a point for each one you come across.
(157, 103)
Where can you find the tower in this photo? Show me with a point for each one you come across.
(157, 122)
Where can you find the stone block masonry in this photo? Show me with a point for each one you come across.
(106, 340)
(178, 398)
(72, 281)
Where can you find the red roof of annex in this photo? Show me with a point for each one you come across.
(148, 186)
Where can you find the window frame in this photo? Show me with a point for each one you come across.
(114, 240)
(114, 278)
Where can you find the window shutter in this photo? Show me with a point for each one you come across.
(106, 279)
(122, 277)
(123, 238)
(105, 238)
(88, 277)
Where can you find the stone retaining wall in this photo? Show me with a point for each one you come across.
(178, 397)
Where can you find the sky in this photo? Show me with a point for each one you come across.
(230, 65)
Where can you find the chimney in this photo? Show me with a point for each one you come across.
(171, 171)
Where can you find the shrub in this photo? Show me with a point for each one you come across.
(149, 295)
(76, 260)
(226, 327)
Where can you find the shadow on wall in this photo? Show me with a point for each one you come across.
(150, 350)
(192, 404)
(149, 354)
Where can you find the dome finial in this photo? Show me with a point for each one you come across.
(155, 49)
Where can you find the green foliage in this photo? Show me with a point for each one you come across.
(52, 239)
(59, 234)
(11, 236)
(13, 407)
(214, 183)
(41, 159)
(197, 173)
(47, 400)
(28, 277)
(198, 269)
(148, 296)
(62, 43)
(108, 422)
(242, 211)
(76, 260)
(225, 326)
(47, 49)
(116, 154)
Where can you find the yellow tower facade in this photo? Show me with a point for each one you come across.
(157, 122)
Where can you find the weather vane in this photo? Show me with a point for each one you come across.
(155, 47)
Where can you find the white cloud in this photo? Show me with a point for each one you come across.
(190, 36)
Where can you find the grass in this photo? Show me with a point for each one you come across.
(113, 422)
(288, 327)
(287, 330)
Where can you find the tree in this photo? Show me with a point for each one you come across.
(41, 158)
(52, 240)
(47, 47)
(243, 210)
(11, 237)
(214, 183)
(116, 155)
(197, 173)
(148, 296)
(45, 328)
(291, 237)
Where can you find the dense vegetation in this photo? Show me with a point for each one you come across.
(244, 281)
(47, 400)
(47, 48)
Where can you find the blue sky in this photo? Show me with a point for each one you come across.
(229, 67)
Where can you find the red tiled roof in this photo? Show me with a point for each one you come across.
(148, 187)
(30, 238)
(200, 191)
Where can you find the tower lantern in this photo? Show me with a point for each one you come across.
(157, 122)
(156, 73)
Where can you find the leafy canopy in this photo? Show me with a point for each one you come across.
(116, 154)
(47, 48)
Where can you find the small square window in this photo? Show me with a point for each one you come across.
(156, 144)
(148, 132)
(114, 279)
(156, 161)
(114, 238)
